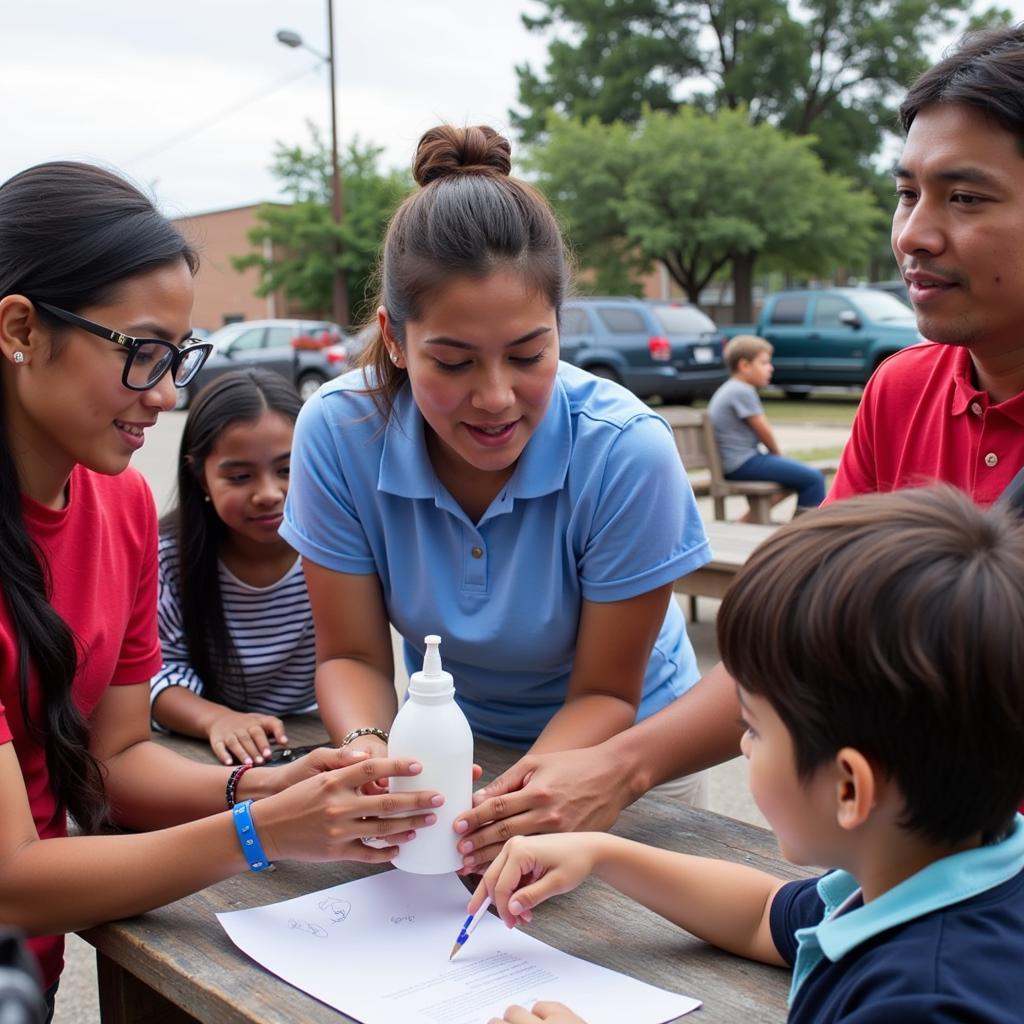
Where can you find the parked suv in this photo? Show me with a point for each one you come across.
(668, 349)
(305, 352)
(830, 335)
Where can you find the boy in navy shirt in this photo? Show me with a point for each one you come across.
(877, 645)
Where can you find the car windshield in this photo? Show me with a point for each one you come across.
(683, 320)
(879, 306)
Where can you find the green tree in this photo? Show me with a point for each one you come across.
(697, 192)
(831, 67)
(300, 234)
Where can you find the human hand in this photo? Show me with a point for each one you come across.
(322, 759)
(550, 865)
(369, 746)
(567, 791)
(243, 736)
(376, 747)
(553, 1013)
(325, 817)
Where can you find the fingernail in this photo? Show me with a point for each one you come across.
(466, 847)
(469, 861)
(259, 760)
(431, 818)
(357, 753)
(266, 752)
(415, 766)
(515, 907)
(248, 760)
(461, 826)
(437, 800)
(284, 739)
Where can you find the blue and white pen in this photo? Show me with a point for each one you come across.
(467, 929)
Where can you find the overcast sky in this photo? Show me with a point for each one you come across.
(135, 84)
(188, 97)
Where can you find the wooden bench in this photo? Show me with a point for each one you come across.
(731, 546)
(698, 448)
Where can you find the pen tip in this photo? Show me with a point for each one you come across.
(455, 949)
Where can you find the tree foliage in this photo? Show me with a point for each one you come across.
(300, 235)
(696, 191)
(833, 68)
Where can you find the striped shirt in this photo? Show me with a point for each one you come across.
(272, 630)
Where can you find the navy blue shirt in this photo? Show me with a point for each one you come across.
(962, 962)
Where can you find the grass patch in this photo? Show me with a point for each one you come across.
(821, 409)
(811, 454)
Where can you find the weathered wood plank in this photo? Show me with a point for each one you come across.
(182, 955)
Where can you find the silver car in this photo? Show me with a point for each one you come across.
(296, 349)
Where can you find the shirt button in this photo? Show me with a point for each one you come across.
(976, 408)
(477, 552)
(991, 460)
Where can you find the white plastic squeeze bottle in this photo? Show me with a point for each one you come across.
(431, 728)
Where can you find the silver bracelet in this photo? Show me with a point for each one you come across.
(368, 730)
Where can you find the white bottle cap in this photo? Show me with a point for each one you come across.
(433, 681)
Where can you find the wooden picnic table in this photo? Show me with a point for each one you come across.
(731, 546)
(176, 965)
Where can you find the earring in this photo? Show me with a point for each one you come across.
(206, 497)
(19, 357)
(394, 358)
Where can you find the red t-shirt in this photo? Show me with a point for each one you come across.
(101, 554)
(922, 420)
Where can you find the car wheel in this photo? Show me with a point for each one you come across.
(309, 385)
(604, 372)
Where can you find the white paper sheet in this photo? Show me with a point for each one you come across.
(378, 948)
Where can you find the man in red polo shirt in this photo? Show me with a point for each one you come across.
(952, 408)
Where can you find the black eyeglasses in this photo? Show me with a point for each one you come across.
(148, 358)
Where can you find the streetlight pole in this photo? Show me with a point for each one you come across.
(339, 283)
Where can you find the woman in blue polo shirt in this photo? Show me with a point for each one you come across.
(469, 484)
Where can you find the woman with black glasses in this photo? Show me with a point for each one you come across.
(95, 305)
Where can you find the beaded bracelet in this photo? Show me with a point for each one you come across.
(241, 815)
(365, 731)
(232, 786)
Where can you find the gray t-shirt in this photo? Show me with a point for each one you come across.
(730, 407)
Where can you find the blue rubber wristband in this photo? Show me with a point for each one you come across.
(254, 855)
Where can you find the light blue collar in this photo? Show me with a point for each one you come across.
(947, 881)
(406, 470)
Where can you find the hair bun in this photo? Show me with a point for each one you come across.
(446, 150)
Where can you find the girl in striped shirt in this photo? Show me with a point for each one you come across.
(234, 619)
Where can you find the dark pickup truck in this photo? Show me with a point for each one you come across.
(830, 335)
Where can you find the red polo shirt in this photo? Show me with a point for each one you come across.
(922, 420)
(101, 553)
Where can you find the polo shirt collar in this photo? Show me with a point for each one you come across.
(965, 393)
(406, 470)
(947, 881)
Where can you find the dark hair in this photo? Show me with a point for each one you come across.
(70, 234)
(469, 218)
(241, 396)
(892, 623)
(984, 71)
